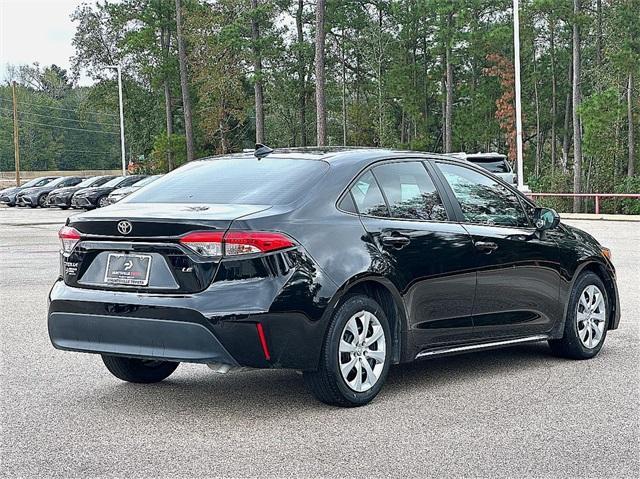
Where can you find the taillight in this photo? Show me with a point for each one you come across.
(235, 243)
(204, 243)
(68, 237)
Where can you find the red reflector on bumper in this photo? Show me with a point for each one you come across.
(263, 341)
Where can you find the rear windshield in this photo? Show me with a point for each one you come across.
(494, 165)
(270, 181)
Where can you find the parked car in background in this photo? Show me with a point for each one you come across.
(37, 195)
(495, 163)
(336, 263)
(120, 193)
(61, 197)
(96, 197)
(8, 195)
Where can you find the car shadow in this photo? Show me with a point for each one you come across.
(267, 392)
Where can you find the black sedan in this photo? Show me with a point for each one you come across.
(335, 263)
(8, 195)
(37, 196)
(62, 196)
(96, 197)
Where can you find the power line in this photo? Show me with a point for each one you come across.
(92, 152)
(58, 108)
(69, 128)
(60, 117)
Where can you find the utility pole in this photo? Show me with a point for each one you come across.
(124, 161)
(516, 53)
(16, 138)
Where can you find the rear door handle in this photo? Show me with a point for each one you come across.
(486, 247)
(397, 240)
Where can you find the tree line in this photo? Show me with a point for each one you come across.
(206, 77)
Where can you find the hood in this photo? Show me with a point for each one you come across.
(67, 190)
(94, 190)
(31, 191)
(125, 191)
(10, 190)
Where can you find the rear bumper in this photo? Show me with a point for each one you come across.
(182, 328)
(136, 337)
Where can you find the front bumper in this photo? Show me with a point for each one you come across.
(81, 202)
(8, 200)
(23, 201)
(58, 200)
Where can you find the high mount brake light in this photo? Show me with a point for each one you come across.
(235, 243)
(69, 237)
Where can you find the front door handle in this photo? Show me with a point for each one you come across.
(487, 247)
(396, 240)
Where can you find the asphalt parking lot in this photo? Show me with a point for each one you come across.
(517, 412)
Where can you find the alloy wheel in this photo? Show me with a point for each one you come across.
(102, 202)
(591, 316)
(362, 351)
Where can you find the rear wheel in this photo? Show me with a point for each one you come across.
(139, 370)
(587, 320)
(355, 355)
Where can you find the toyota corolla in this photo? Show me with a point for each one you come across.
(337, 263)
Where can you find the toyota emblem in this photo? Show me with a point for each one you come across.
(124, 227)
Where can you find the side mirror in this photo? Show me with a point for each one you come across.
(546, 219)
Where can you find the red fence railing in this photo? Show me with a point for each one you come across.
(597, 196)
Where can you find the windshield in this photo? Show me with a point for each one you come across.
(115, 182)
(89, 181)
(57, 181)
(269, 181)
(146, 181)
(36, 182)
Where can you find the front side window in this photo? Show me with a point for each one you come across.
(482, 199)
(410, 192)
(367, 196)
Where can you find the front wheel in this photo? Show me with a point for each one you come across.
(102, 202)
(42, 201)
(355, 355)
(138, 370)
(587, 320)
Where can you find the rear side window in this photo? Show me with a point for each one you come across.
(494, 165)
(368, 197)
(249, 181)
(410, 192)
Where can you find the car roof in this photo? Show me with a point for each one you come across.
(339, 155)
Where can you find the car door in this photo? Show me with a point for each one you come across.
(425, 253)
(518, 271)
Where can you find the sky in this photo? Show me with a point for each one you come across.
(37, 31)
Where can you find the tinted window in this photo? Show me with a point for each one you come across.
(270, 181)
(113, 182)
(368, 197)
(36, 182)
(101, 181)
(482, 199)
(410, 192)
(71, 181)
(131, 180)
(493, 165)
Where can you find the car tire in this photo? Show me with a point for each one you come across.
(42, 201)
(135, 370)
(329, 384)
(586, 322)
(64, 207)
(102, 202)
